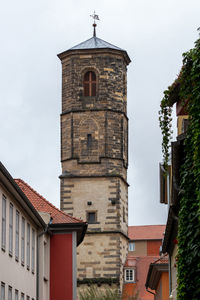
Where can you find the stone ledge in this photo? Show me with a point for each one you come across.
(99, 281)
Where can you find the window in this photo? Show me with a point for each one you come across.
(17, 236)
(22, 296)
(9, 293)
(27, 298)
(89, 84)
(2, 291)
(23, 240)
(124, 220)
(33, 251)
(164, 184)
(11, 229)
(3, 221)
(46, 260)
(131, 246)
(89, 141)
(91, 217)
(28, 247)
(129, 275)
(16, 295)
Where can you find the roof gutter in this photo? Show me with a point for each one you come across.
(20, 194)
(80, 228)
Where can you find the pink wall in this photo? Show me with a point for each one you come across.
(61, 286)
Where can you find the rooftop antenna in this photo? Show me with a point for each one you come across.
(95, 17)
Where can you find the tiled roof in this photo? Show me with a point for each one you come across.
(162, 260)
(42, 205)
(147, 232)
(94, 43)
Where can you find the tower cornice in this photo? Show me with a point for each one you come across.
(94, 51)
(89, 109)
(62, 176)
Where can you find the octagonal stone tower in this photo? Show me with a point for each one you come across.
(94, 156)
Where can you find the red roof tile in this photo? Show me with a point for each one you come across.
(147, 232)
(162, 260)
(42, 205)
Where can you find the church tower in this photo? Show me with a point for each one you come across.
(94, 156)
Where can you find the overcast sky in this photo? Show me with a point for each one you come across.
(154, 33)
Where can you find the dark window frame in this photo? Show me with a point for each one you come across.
(89, 213)
(90, 84)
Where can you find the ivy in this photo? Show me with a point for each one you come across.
(165, 120)
(187, 88)
(189, 214)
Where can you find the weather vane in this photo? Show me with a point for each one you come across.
(95, 17)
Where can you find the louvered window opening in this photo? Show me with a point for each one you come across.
(89, 84)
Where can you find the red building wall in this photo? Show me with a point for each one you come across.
(61, 271)
(153, 247)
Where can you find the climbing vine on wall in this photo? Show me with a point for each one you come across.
(165, 120)
(189, 214)
(187, 88)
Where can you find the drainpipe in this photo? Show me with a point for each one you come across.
(169, 265)
(37, 273)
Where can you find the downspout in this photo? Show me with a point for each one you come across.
(169, 265)
(37, 273)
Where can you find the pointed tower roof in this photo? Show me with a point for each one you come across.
(94, 43)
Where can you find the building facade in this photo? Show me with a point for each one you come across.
(20, 225)
(94, 155)
(38, 244)
(158, 278)
(170, 191)
(144, 247)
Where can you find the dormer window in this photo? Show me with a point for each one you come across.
(89, 84)
(129, 275)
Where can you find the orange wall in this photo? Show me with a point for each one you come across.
(165, 286)
(153, 247)
(129, 289)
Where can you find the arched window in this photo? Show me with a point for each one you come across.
(89, 84)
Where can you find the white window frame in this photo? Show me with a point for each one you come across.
(131, 246)
(33, 252)
(17, 219)
(3, 291)
(11, 229)
(23, 241)
(28, 246)
(129, 275)
(3, 223)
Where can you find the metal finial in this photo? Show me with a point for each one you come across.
(95, 17)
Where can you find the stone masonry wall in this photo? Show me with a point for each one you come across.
(104, 249)
(106, 196)
(108, 132)
(94, 157)
(111, 76)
